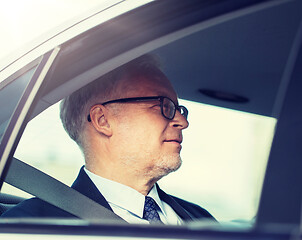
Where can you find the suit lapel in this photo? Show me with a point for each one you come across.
(181, 212)
(84, 185)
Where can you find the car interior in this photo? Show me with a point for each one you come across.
(244, 56)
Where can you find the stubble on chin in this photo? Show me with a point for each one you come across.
(155, 168)
(167, 163)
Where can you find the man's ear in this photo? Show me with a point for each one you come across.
(99, 119)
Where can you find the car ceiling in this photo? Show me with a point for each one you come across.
(245, 56)
(240, 57)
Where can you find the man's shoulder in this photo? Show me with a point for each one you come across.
(35, 207)
(195, 210)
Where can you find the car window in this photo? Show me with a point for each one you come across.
(19, 21)
(224, 157)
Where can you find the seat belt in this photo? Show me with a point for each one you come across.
(47, 188)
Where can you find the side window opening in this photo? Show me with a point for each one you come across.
(224, 158)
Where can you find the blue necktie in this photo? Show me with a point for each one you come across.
(150, 212)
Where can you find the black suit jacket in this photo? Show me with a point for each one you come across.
(36, 207)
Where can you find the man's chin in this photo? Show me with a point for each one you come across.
(170, 163)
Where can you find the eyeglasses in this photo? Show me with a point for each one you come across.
(167, 106)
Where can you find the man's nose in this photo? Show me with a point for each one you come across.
(179, 121)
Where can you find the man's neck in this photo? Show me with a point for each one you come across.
(142, 184)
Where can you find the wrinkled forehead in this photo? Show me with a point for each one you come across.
(153, 83)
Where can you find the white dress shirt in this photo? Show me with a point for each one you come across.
(128, 203)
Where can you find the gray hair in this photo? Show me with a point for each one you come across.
(74, 109)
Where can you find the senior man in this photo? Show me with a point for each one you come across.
(128, 125)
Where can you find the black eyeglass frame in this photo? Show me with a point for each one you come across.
(182, 109)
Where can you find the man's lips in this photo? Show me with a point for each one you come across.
(174, 140)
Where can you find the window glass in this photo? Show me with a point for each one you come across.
(10, 96)
(224, 157)
(46, 146)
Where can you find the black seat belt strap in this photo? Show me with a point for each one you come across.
(37, 183)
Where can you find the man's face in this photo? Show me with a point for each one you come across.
(146, 142)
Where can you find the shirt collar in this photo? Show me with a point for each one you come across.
(123, 196)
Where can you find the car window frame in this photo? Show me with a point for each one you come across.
(22, 112)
